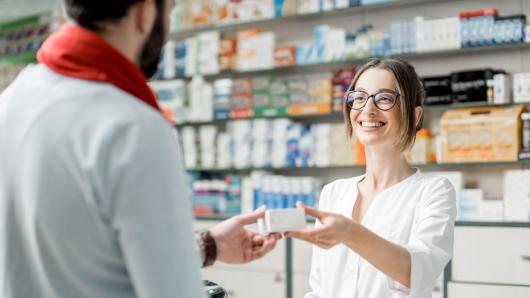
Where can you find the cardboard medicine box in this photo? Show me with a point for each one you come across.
(481, 134)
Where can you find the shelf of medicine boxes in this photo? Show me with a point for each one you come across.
(328, 66)
(336, 117)
(391, 4)
(520, 164)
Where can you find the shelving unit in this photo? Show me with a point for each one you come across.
(433, 166)
(328, 66)
(510, 57)
(299, 17)
(336, 117)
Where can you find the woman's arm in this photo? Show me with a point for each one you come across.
(390, 258)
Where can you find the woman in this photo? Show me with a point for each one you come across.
(389, 232)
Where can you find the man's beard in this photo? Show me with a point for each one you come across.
(150, 55)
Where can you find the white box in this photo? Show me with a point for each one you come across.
(517, 195)
(501, 89)
(521, 87)
(283, 220)
(491, 210)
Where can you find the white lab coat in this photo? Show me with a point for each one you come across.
(93, 196)
(417, 213)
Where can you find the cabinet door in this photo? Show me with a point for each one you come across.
(469, 290)
(302, 254)
(492, 255)
(246, 284)
(300, 284)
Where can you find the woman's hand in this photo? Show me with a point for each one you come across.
(335, 228)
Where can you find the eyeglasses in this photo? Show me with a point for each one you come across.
(383, 100)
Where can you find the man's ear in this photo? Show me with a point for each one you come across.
(418, 111)
(145, 13)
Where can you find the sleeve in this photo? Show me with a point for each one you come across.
(315, 279)
(431, 242)
(150, 212)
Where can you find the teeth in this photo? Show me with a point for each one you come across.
(371, 124)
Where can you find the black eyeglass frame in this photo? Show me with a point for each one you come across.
(397, 94)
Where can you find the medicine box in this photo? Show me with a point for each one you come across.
(481, 134)
(283, 220)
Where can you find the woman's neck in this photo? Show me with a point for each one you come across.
(385, 168)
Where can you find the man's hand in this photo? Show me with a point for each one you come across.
(237, 245)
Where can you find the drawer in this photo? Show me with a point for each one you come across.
(245, 284)
(492, 255)
(469, 290)
(274, 260)
(302, 255)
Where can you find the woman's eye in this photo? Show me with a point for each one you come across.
(384, 98)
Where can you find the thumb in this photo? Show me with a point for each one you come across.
(251, 218)
(311, 211)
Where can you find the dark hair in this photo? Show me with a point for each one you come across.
(91, 14)
(412, 96)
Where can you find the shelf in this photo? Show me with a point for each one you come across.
(211, 218)
(475, 104)
(337, 116)
(504, 224)
(299, 17)
(428, 167)
(328, 66)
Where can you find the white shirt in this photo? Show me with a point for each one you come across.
(93, 200)
(417, 213)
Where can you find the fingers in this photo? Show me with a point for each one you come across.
(251, 218)
(258, 239)
(247, 246)
(307, 233)
(268, 245)
(318, 239)
(311, 211)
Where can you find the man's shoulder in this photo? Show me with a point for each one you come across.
(97, 99)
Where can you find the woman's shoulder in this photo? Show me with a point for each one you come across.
(435, 186)
(434, 181)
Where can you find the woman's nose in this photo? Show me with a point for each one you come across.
(370, 107)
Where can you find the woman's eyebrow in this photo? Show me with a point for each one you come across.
(359, 89)
(388, 90)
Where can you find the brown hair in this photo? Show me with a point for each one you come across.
(412, 96)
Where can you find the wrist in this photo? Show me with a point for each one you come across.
(208, 249)
(352, 233)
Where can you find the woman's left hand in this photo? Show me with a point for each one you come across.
(334, 229)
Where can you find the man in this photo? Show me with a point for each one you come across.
(93, 196)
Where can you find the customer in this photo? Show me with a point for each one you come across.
(93, 196)
(389, 232)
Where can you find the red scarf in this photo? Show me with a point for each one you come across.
(79, 53)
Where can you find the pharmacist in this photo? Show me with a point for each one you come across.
(93, 198)
(389, 232)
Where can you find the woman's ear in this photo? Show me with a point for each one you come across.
(418, 111)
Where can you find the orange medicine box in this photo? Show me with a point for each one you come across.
(481, 134)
